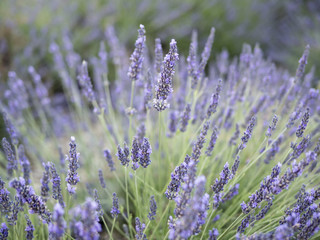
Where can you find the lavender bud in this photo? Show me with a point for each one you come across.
(303, 62)
(214, 100)
(303, 124)
(73, 158)
(164, 85)
(123, 155)
(85, 221)
(10, 129)
(109, 160)
(101, 179)
(192, 64)
(173, 122)
(145, 153)
(225, 175)
(213, 234)
(5, 202)
(158, 55)
(137, 56)
(153, 208)
(212, 142)
(85, 83)
(12, 162)
(45, 182)
(96, 199)
(272, 126)
(135, 154)
(139, 230)
(247, 133)
(29, 228)
(56, 185)
(198, 145)
(185, 118)
(206, 52)
(4, 231)
(58, 225)
(115, 206)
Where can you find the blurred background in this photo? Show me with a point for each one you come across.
(282, 28)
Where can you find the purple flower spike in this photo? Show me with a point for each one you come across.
(4, 231)
(139, 230)
(73, 158)
(135, 154)
(101, 179)
(45, 182)
(153, 209)
(123, 155)
(29, 228)
(185, 118)
(145, 153)
(158, 55)
(247, 134)
(12, 162)
(214, 100)
(303, 124)
(303, 62)
(213, 234)
(212, 142)
(25, 164)
(115, 206)
(5, 202)
(56, 185)
(58, 225)
(108, 157)
(85, 82)
(164, 85)
(85, 221)
(272, 126)
(136, 58)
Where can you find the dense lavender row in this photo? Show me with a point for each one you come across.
(171, 147)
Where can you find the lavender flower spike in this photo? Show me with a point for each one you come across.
(185, 118)
(4, 231)
(206, 52)
(12, 162)
(158, 55)
(303, 62)
(58, 225)
(303, 124)
(5, 202)
(137, 56)
(29, 228)
(213, 234)
(247, 133)
(85, 82)
(272, 126)
(45, 182)
(153, 208)
(139, 229)
(109, 160)
(145, 153)
(56, 185)
(123, 155)
(115, 206)
(214, 100)
(135, 154)
(164, 85)
(73, 158)
(25, 164)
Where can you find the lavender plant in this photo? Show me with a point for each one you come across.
(171, 147)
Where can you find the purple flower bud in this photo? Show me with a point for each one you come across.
(135, 154)
(85, 82)
(45, 182)
(29, 228)
(14, 135)
(5, 202)
(144, 153)
(123, 155)
(12, 162)
(214, 100)
(85, 221)
(164, 85)
(139, 230)
(212, 142)
(247, 134)
(198, 145)
(115, 206)
(272, 126)
(303, 124)
(185, 118)
(56, 185)
(136, 58)
(213, 234)
(101, 179)
(58, 225)
(109, 160)
(303, 62)
(4, 231)
(158, 55)
(99, 207)
(153, 209)
(73, 158)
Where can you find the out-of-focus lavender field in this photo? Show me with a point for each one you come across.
(282, 28)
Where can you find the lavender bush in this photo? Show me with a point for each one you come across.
(170, 147)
